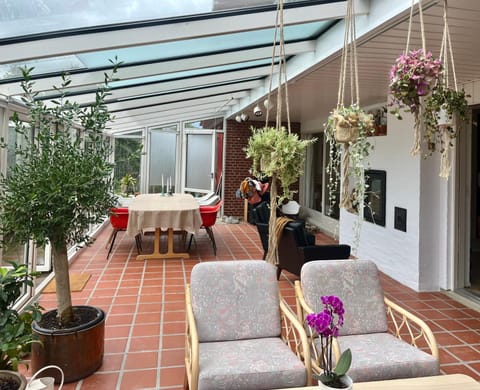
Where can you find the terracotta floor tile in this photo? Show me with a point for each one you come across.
(143, 344)
(146, 330)
(141, 360)
(100, 380)
(171, 376)
(461, 369)
(172, 357)
(173, 341)
(465, 353)
(112, 363)
(139, 379)
(116, 345)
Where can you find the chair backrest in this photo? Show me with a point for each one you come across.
(235, 300)
(209, 213)
(119, 217)
(356, 283)
(294, 234)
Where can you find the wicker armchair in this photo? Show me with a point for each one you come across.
(240, 333)
(387, 341)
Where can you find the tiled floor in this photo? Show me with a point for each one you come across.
(144, 302)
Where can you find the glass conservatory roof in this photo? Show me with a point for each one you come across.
(203, 56)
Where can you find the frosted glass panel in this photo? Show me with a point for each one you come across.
(163, 148)
(199, 161)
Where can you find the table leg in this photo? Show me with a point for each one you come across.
(156, 248)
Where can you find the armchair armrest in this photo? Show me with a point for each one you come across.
(293, 334)
(191, 345)
(410, 328)
(325, 252)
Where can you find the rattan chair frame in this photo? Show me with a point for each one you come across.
(293, 334)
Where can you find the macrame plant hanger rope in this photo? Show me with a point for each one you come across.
(272, 255)
(419, 112)
(349, 50)
(446, 56)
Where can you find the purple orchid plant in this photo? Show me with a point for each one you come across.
(414, 75)
(326, 325)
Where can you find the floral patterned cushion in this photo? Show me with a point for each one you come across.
(381, 356)
(356, 283)
(265, 363)
(234, 300)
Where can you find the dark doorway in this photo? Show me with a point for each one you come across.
(475, 207)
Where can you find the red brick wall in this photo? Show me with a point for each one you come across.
(237, 165)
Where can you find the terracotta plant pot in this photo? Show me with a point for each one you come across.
(13, 378)
(78, 351)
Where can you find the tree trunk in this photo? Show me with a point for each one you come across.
(272, 256)
(62, 280)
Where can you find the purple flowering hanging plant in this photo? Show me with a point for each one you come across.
(412, 76)
(326, 324)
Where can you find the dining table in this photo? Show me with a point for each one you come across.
(176, 212)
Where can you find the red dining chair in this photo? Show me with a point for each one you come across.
(209, 216)
(119, 222)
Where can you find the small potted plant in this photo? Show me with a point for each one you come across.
(127, 184)
(15, 327)
(446, 110)
(413, 76)
(324, 328)
(351, 145)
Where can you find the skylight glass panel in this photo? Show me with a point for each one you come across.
(26, 17)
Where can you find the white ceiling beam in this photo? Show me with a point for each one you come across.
(226, 99)
(169, 98)
(95, 41)
(177, 85)
(164, 67)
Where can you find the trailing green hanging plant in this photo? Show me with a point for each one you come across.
(277, 153)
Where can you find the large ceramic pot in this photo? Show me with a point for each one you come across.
(78, 351)
(12, 378)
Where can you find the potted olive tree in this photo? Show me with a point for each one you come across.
(61, 185)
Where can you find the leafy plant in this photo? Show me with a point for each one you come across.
(15, 327)
(354, 154)
(63, 181)
(452, 103)
(128, 183)
(413, 76)
(326, 325)
(279, 153)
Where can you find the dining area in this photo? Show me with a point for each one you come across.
(166, 216)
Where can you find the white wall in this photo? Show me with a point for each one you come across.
(395, 252)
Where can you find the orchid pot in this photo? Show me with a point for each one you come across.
(345, 382)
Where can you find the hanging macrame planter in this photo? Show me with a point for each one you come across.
(276, 151)
(412, 78)
(348, 127)
(446, 107)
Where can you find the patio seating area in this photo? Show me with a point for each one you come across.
(145, 306)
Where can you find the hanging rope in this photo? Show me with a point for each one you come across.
(446, 56)
(272, 255)
(349, 56)
(419, 125)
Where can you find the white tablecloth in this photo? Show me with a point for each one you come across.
(180, 212)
